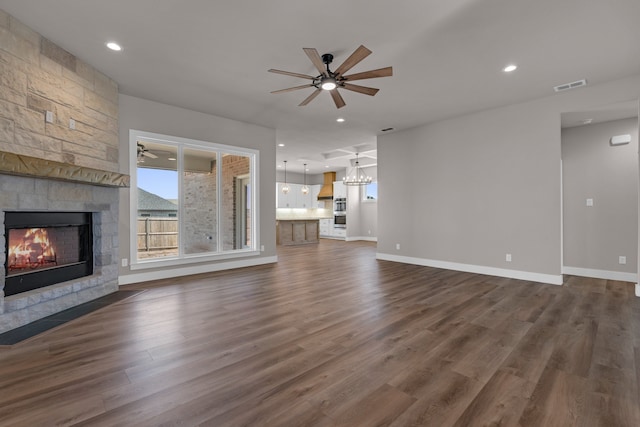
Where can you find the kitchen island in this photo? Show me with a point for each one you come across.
(297, 231)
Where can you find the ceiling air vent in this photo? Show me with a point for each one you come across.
(571, 85)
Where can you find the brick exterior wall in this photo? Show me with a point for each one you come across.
(200, 206)
(200, 223)
(232, 167)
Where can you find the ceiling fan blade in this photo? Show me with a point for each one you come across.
(358, 55)
(361, 89)
(149, 155)
(314, 56)
(288, 73)
(289, 89)
(309, 98)
(337, 98)
(380, 72)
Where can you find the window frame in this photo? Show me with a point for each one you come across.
(182, 258)
(363, 197)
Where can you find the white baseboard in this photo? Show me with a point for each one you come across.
(365, 238)
(479, 269)
(600, 274)
(197, 269)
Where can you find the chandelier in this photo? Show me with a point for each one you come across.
(356, 175)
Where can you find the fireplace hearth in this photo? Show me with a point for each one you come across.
(45, 248)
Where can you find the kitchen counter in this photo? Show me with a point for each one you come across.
(297, 231)
(303, 214)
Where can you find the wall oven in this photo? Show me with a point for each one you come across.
(340, 212)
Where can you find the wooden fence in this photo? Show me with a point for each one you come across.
(155, 233)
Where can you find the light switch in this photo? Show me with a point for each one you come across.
(589, 202)
(622, 260)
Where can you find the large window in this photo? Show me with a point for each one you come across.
(190, 199)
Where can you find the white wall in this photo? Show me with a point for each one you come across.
(362, 216)
(148, 116)
(464, 192)
(594, 237)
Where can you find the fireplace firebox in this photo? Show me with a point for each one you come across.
(45, 248)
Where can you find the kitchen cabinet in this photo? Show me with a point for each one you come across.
(339, 190)
(294, 199)
(303, 201)
(288, 200)
(326, 227)
(297, 232)
(339, 232)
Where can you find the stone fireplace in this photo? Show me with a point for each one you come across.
(86, 192)
(59, 151)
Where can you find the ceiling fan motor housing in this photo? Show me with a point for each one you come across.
(327, 58)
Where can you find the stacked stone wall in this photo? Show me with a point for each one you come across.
(37, 76)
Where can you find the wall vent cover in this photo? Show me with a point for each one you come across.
(571, 85)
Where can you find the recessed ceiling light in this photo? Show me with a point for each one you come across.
(280, 166)
(509, 68)
(171, 158)
(114, 46)
(326, 166)
(339, 120)
(587, 121)
(281, 145)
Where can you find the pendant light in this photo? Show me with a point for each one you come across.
(356, 176)
(305, 189)
(285, 187)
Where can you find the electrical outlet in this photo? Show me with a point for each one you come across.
(622, 260)
(48, 116)
(397, 246)
(589, 202)
(261, 248)
(508, 258)
(125, 262)
(72, 124)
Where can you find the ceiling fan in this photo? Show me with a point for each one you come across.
(331, 81)
(143, 152)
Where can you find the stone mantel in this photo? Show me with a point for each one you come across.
(21, 165)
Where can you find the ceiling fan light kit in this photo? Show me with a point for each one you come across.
(331, 81)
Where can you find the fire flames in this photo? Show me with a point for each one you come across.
(31, 249)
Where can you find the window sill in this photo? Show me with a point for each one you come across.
(192, 259)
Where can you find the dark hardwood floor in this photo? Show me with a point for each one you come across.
(332, 337)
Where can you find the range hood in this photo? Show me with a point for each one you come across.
(326, 192)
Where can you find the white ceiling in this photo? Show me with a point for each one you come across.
(447, 56)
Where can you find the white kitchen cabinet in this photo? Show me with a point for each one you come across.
(339, 190)
(288, 200)
(339, 232)
(326, 227)
(295, 198)
(303, 201)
